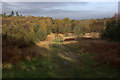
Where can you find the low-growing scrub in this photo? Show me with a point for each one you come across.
(17, 37)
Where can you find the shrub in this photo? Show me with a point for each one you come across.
(18, 36)
(112, 30)
(41, 35)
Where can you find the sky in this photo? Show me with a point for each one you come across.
(60, 0)
(72, 10)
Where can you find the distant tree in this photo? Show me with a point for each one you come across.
(17, 14)
(12, 13)
(105, 18)
(92, 25)
(4, 14)
(67, 25)
(72, 25)
(80, 29)
(20, 15)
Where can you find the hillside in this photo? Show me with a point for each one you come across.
(40, 47)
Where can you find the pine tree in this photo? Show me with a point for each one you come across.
(17, 14)
(4, 14)
(12, 13)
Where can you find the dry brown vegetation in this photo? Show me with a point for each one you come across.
(13, 54)
(108, 51)
(26, 39)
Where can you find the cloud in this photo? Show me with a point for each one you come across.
(73, 10)
(60, 0)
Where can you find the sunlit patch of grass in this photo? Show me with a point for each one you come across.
(37, 68)
(7, 66)
(63, 68)
(65, 57)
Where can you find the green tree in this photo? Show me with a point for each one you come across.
(17, 14)
(80, 30)
(12, 13)
(41, 35)
(21, 15)
(112, 30)
(4, 14)
(36, 28)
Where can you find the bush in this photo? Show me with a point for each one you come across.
(18, 37)
(112, 30)
(41, 35)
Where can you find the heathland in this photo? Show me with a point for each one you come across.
(42, 47)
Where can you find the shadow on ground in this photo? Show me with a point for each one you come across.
(73, 60)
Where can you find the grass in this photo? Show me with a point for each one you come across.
(63, 61)
(38, 68)
(92, 70)
(84, 67)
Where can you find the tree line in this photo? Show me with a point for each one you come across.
(24, 31)
(11, 14)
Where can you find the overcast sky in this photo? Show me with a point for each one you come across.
(73, 10)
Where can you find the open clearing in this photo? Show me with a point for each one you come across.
(72, 60)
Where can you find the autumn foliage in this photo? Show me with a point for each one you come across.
(19, 33)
